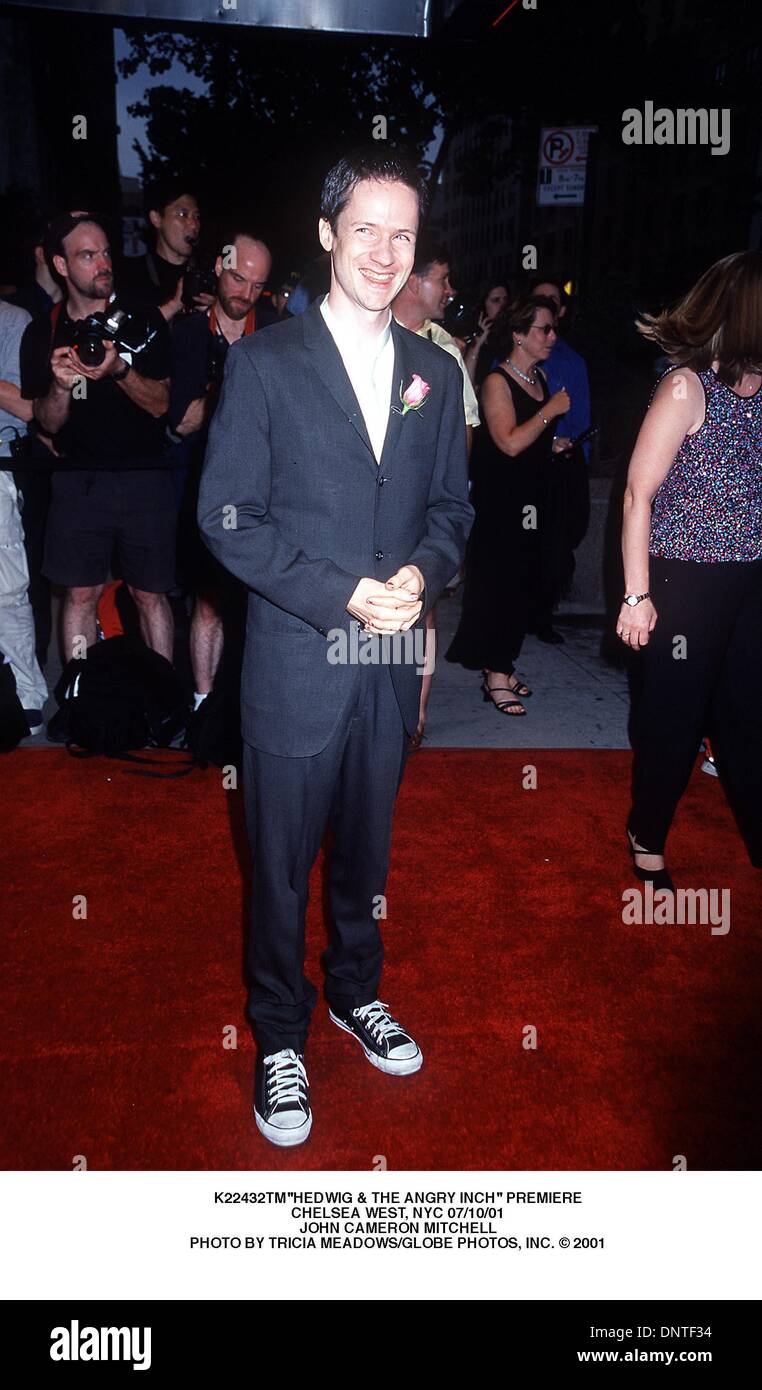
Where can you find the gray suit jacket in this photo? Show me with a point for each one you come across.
(293, 502)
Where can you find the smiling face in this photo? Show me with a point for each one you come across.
(373, 246)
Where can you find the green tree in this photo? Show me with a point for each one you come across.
(275, 113)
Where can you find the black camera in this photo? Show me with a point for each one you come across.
(461, 319)
(18, 443)
(128, 332)
(197, 279)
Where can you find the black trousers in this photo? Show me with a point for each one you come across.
(351, 786)
(701, 674)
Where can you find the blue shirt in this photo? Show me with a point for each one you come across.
(298, 300)
(565, 368)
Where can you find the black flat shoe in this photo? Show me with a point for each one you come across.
(660, 878)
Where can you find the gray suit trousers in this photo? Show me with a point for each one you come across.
(351, 787)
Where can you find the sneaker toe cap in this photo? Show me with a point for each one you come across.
(288, 1119)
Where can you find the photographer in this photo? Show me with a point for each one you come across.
(169, 277)
(111, 484)
(199, 344)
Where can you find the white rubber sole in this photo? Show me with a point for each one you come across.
(404, 1067)
(284, 1138)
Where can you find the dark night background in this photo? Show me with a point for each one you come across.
(266, 111)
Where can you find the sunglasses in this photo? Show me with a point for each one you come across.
(545, 328)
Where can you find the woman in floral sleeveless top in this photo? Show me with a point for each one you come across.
(692, 549)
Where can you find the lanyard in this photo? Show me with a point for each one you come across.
(249, 326)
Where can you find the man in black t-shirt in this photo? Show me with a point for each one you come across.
(113, 488)
(157, 278)
(199, 344)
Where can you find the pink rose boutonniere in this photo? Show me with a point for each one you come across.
(414, 395)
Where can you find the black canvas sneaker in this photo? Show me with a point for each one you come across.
(383, 1041)
(282, 1098)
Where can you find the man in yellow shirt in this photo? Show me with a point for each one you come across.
(424, 299)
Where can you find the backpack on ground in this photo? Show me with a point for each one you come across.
(121, 696)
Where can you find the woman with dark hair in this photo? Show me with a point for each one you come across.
(692, 548)
(510, 453)
(479, 355)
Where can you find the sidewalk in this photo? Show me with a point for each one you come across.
(579, 700)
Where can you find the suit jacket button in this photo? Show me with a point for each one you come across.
(381, 482)
(379, 554)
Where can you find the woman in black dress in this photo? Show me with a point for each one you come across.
(512, 451)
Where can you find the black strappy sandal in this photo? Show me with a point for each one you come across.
(518, 689)
(502, 705)
(660, 878)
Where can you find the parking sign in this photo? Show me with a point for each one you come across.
(562, 165)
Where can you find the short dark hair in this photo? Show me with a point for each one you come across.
(429, 253)
(158, 195)
(516, 317)
(557, 281)
(59, 229)
(369, 163)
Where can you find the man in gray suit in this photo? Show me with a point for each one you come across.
(335, 487)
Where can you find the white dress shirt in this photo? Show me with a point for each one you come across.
(369, 365)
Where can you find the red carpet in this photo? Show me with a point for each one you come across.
(504, 912)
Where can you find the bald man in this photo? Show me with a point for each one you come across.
(199, 346)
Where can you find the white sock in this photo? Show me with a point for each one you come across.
(198, 699)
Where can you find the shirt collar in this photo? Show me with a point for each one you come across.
(346, 336)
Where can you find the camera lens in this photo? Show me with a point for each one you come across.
(90, 350)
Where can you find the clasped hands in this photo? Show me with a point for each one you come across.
(391, 606)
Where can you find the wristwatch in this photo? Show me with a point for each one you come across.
(632, 599)
(121, 374)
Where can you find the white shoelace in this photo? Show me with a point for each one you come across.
(379, 1020)
(287, 1078)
